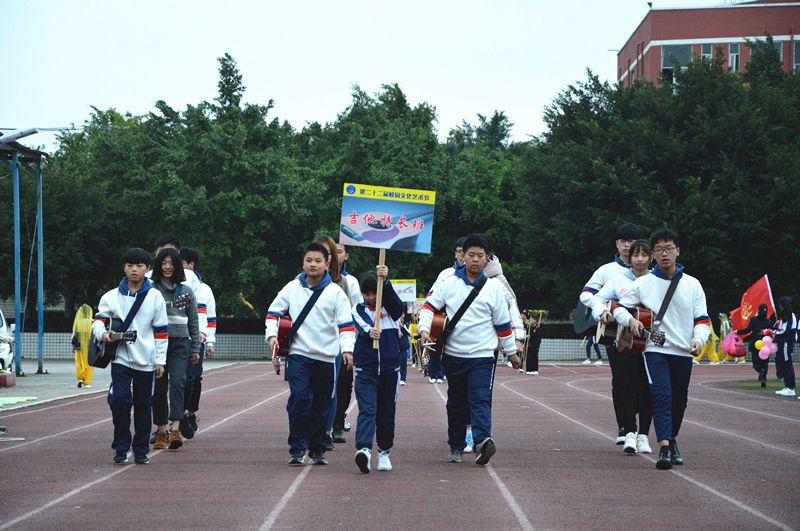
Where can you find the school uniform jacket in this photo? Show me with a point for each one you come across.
(785, 334)
(328, 328)
(486, 320)
(686, 319)
(387, 357)
(612, 290)
(211, 309)
(601, 277)
(202, 310)
(150, 324)
(352, 284)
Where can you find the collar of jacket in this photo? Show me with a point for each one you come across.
(660, 274)
(618, 260)
(461, 273)
(343, 271)
(123, 287)
(326, 279)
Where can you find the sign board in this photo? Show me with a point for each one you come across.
(405, 289)
(387, 218)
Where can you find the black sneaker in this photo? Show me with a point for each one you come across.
(455, 456)
(338, 436)
(141, 459)
(193, 422)
(318, 459)
(664, 458)
(121, 457)
(676, 455)
(484, 451)
(154, 437)
(80, 384)
(621, 436)
(186, 428)
(297, 460)
(328, 443)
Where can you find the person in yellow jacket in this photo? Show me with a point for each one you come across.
(710, 350)
(81, 336)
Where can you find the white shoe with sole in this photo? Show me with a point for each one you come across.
(383, 461)
(785, 392)
(643, 445)
(598, 362)
(362, 459)
(587, 361)
(630, 443)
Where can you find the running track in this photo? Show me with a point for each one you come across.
(556, 466)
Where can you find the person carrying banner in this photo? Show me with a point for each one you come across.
(758, 323)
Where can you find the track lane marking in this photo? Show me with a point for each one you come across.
(681, 475)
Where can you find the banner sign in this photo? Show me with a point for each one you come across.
(405, 289)
(387, 218)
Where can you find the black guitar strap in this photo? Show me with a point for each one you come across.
(300, 318)
(673, 284)
(451, 324)
(133, 311)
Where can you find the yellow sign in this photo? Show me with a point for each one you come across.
(391, 194)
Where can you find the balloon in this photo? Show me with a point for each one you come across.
(763, 353)
(773, 348)
(759, 344)
(767, 341)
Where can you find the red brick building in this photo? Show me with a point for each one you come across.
(681, 32)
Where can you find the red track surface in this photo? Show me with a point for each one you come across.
(556, 465)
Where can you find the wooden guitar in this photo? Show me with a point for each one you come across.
(607, 334)
(584, 324)
(100, 353)
(284, 325)
(383, 230)
(180, 302)
(626, 342)
(437, 327)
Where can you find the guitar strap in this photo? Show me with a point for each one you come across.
(133, 311)
(451, 324)
(300, 318)
(673, 284)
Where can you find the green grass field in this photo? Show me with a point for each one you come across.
(754, 385)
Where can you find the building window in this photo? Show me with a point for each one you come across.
(733, 56)
(797, 55)
(682, 53)
(705, 51)
(778, 46)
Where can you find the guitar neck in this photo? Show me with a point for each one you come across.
(116, 336)
(420, 214)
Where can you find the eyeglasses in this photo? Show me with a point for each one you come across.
(664, 250)
(626, 241)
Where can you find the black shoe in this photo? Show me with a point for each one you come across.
(193, 422)
(763, 383)
(141, 459)
(121, 457)
(664, 458)
(676, 455)
(154, 437)
(318, 459)
(80, 384)
(338, 436)
(484, 451)
(186, 428)
(620, 436)
(328, 443)
(297, 460)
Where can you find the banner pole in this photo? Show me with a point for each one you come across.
(379, 300)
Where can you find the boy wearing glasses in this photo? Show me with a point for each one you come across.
(626, 235)
(686, 327)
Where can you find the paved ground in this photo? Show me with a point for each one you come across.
(556, 466)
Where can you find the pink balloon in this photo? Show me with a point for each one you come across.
(763, 353)
(767, 341)
(773, 348)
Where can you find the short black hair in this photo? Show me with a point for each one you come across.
(136, 255)
(477, 240)
(459, 243)
(628, 231)
(665, 235)
(190, 255)
(167, 239)
(315, 247)
(178, 275)
(641, 245)
(369, 283)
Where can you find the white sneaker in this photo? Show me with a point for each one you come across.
(630, 443)
(347, 426)
(522, 370)
(598, 362)
(383, 461)
(529, 372)
(587, 361)
(643, 445)
(433, 380)
(439, 380)
(742, 360)
(87, 386)
(535, 373)
(509, 364)
(695, 362)
(402, 382)
(362, 459)
(469, 441)
(785, 392)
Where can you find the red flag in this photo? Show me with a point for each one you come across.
(756, 295)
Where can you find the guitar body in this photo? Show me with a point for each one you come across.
(437, 327)
(382, 230)
(284, 325)
(607, 334)
(625, 340)
(101, 354)
(584, 324)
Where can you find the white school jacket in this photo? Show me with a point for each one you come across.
(601, 277)
(612, 290)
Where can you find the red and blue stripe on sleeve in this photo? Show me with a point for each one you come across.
(347, 327)
(212, 322)
(201, 308)
(587, 289)
(702, 320)
(161, 332)
(504, 330)
(429, 307)
(270, 316)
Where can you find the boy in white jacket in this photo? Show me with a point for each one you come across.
(136, 362)
(310, 369)
(685, 326)
(468, 358)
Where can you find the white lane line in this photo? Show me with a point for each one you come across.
(108, 419)
(99, 392)
(287, 496)
(705, 487)
(524, 523)
(95, 482)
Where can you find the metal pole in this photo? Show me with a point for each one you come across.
(17, 264)
(40, 257)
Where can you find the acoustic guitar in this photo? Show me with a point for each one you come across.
(583, 323)
(626, 342)
(284, 325)
(438, 324)
(382, 229)
(100, 353)
(180, 302)
(607, 333)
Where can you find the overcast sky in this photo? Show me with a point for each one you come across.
(464, 57)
